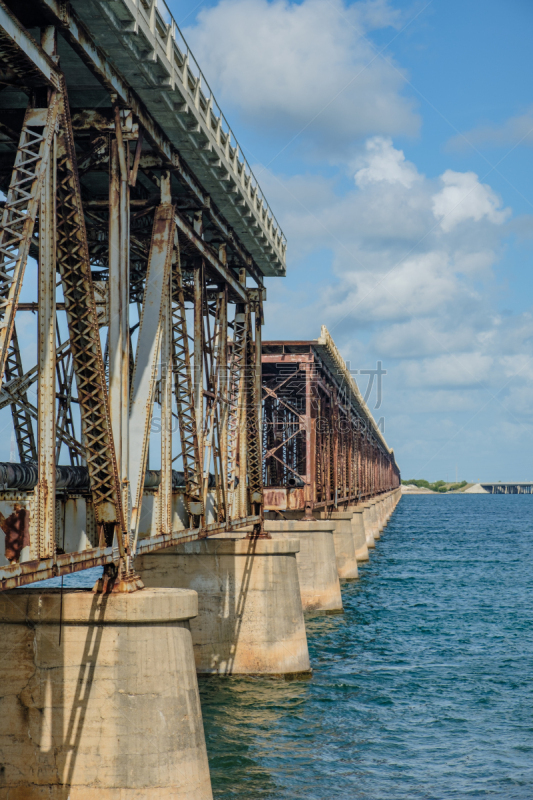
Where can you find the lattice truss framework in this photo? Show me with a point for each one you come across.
(319, 447)
(146, 333)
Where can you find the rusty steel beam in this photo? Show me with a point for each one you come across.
(20, 211)
(221, 271)
(74, 267)
(148, 343)
(184, 392)
(46, 424)
(22, 55)
(22, 423)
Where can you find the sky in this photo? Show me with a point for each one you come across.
(394, 143)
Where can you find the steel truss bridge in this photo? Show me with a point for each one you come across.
(134, 241)
(322, 447)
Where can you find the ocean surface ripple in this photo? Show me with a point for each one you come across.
(423, 688)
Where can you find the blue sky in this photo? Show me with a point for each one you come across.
(394, 142)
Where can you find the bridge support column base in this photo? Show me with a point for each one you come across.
(359, 535)
(374, 518)
(250, 618)
(344, 545)
(369, 528)
(320, 589)
(110, 713)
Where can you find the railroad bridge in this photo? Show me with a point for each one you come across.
(155, 435)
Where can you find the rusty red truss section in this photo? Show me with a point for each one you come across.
(321, 445)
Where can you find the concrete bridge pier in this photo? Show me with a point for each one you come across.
(99, 697)
(318, 577)
(376, 527)
(358, 533)
(344, 544)
(250, 618)
(380, 516)
(378, 522)
(367, 521)
(382, 512)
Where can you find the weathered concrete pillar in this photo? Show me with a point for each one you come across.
(344, 546)
(320, 588)
(111, 713)
(378, 527)
(367, 519)
(382, 519)
(374, 519)
(359, 535)
(250, 617)
(383, 511)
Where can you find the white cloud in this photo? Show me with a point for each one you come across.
(415, 285)
(463, 197)
(383, 162)
(306, 66)
(419, 286)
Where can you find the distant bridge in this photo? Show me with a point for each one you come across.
(508, 488)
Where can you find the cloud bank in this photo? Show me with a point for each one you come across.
(398, 264)
(305, 68)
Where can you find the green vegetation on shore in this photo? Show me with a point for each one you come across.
(438, 486)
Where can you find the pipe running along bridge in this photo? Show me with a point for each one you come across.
(225, 485)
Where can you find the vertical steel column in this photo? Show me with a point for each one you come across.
(184, 392)
(236, 395)
(198, 357)
(20, 211)
(242, 404)
(335, 452)
(254, 449)
(310, 444)
(146, 357)
(119, 326)
(78, 292)
(46, 427)
(224, 401)
(165, 487)
(349, 466)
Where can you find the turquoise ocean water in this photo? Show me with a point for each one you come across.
(423, 688)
